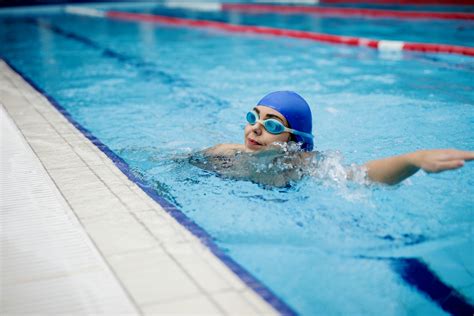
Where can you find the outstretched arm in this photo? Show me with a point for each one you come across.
(393, 170)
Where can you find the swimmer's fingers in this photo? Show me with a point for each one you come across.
(464, 155)
(447, 154)
(442, 159)
(442, 166)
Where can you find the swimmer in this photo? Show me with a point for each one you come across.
(281, 121)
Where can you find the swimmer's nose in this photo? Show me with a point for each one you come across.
(257, 128)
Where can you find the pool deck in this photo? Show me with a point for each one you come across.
(79, 237)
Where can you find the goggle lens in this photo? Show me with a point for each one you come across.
(273, 126)
(252, 118)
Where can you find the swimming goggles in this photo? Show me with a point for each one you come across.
(273, 126)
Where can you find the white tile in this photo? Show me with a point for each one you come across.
(120, 174)
(39, 127)
(152, 277)
(75, 179)
(14, 101)
(98, 204)
(105, 174)
(21, 112)
(258, 303)
(61, 158)
(160, 227)
(200, 263)
(234, 304)
(180, 233)
(198, 305)
(88, 154)
(3, 77)
(40, 143)
(224, 271)
(151, 203)
(190, 258)
(129, 198)
(52, 115)
(86, 194)
(33, 97)
(11, 86)
(25, 115)
(63, 127)
(42, 105)
(185, 233)
(118, 233)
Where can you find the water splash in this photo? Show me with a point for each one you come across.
(283, 165)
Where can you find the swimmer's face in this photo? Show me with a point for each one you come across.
(257, 137)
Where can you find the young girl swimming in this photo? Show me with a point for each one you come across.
(278, 148)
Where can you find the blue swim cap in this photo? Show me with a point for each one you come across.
(296, 111)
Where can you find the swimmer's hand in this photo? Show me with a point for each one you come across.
(393, 170)
(434, 161)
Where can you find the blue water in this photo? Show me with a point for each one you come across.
(154, 94)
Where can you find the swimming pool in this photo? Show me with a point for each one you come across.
(154, 94)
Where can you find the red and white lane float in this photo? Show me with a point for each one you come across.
(334, 11)
(398, 2)
(382, 45)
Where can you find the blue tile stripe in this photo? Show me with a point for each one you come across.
(417, 273)
(177, 214)
(145, 68)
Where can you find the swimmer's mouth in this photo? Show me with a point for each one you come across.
(253, 142)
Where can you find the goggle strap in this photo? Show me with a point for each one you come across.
(303, 134)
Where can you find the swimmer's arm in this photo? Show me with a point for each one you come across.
(393, 170)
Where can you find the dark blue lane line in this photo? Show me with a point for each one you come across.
(150, 70)
(146, 68)
(417, 273)
(182, 218)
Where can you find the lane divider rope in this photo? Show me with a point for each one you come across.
(402, 2)
(383, 45)
(333, 11)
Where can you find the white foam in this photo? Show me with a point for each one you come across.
(84, 11)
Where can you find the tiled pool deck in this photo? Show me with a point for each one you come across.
(79, 236)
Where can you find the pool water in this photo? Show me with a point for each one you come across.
(156, 94)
